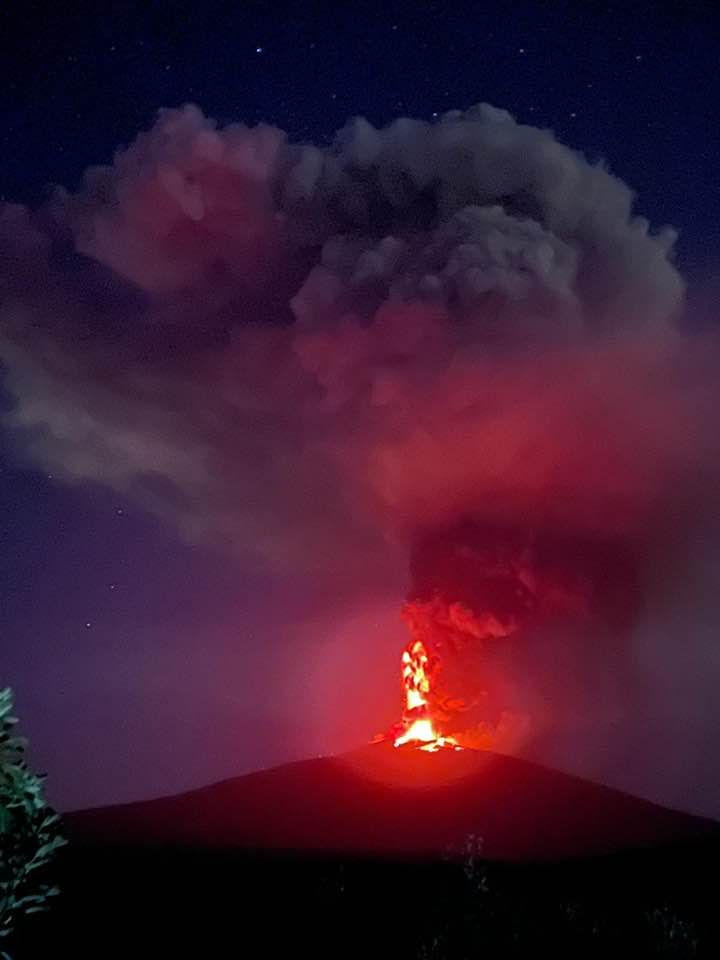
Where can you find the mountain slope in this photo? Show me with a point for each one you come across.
(383, 801)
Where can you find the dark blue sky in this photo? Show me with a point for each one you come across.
(98, 602)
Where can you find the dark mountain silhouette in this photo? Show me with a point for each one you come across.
(352, 856)
(398, 802)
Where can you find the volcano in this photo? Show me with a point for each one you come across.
(390, 802)
(395, 850)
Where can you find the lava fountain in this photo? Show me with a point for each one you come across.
(501, 621)
(417, 727)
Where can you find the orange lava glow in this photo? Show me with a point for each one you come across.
(417, 725)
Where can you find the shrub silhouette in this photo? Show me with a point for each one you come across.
(29, 830)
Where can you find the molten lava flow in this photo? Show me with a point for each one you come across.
(484, 601)
(417, 725)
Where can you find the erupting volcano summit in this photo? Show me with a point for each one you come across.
(487, 602)
(417, 726)
(452, 340)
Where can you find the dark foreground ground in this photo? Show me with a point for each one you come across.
(136, 903)
(386, 854)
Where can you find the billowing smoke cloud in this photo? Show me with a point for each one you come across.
(326, 355)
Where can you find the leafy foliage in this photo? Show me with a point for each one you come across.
(29, 829)
(672, 935)
(503, 910)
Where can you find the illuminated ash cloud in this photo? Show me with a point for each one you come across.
(265, 340)
(324, 356)
(510, 617)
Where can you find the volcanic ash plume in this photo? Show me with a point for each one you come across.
(450, 338)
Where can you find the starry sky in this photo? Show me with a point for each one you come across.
(120, 639)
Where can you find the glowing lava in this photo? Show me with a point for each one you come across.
(417, 726)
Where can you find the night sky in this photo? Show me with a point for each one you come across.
(143, 665)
